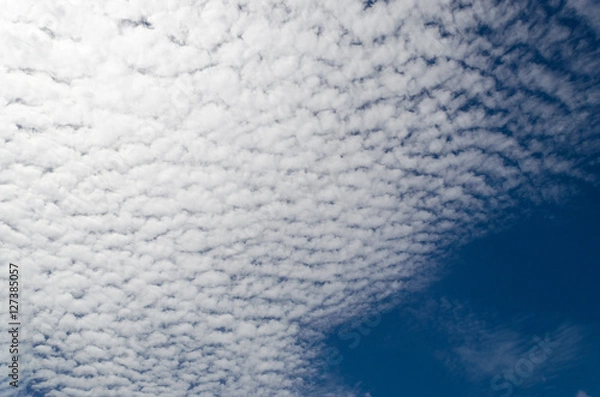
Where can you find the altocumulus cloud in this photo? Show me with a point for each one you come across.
(197, 191)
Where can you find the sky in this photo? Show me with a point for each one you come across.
(468, 331)
(302, 198)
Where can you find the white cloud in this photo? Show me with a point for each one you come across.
(482, 350)
(582, 394)
(196, 191)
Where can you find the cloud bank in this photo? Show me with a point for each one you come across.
(196, 191)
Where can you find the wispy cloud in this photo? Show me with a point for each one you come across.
(502, 357)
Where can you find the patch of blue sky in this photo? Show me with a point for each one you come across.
(479, 331)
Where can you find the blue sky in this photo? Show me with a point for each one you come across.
(538, 273)
(337, 198)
